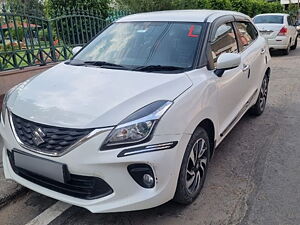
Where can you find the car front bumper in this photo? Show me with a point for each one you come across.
(88, 160)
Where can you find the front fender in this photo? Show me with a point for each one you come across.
(193, 106)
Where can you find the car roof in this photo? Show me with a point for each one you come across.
(272, 14)
(181, 16)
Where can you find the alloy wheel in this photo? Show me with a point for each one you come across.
(197, 164)
(263, 94)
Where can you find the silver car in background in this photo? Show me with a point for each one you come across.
(279, 30)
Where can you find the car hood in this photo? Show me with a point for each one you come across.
(89, 97)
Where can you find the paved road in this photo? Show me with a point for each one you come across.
(253, 178)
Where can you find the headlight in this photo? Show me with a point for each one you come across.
(4, 105)
(6, 97)
(137, 127)
(3, 110)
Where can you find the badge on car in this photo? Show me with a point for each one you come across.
(37, 136)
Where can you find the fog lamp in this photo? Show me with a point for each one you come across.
(148, 180)
(142, 174)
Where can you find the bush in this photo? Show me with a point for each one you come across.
(221, 4)
(145, 5)
(43, 34)
(55, 6)
(249, 7)
(17, 34)
(192, 4)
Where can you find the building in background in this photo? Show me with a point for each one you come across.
(287, 3)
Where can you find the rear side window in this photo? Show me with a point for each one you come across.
(269, 19)
(224, 41)
(247, 33)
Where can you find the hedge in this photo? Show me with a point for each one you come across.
(249, 7)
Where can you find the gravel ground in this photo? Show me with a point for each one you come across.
(253, 178)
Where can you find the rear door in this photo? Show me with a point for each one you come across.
(253, 53)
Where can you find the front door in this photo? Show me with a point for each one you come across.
(234, 83)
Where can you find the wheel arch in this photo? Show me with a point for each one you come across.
(209, 127)
(268, 72)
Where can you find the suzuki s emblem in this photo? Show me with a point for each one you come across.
(37, 136)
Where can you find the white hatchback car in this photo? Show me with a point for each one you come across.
(279, 30)
(133, 119)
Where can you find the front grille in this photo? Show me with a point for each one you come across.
(46, 139)
(83, 187)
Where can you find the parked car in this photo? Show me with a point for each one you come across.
(297, 24)
(279, 31)
(133, 119)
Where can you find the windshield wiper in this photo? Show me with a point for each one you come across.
(96, 63)
(151, 68)
(102, 63)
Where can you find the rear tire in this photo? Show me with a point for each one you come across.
(287, 51)
(193, 168)
(260, 104)
(295, 45)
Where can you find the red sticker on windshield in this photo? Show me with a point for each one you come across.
(190, 34)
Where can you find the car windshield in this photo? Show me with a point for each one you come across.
(269, 19)
(152, 46)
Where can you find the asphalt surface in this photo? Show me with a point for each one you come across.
(254, 177)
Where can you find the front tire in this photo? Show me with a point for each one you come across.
(260, 104)
(193, 168)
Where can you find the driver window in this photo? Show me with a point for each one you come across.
(224, 41)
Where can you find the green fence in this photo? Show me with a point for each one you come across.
(29, 40)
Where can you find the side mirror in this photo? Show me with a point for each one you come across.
(227, 61)
(76, 49)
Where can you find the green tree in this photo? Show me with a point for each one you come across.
(99, 6)
(34, 7)
(221, 4)
(244, 6)
(191, 4)
(292, 10)
(145, 5)
(249, 7)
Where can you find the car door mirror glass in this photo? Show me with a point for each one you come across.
(76, 49)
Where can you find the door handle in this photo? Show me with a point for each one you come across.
(263, 51)
(246, 67)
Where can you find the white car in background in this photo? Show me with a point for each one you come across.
(133, 119)
(298, 26)
(279, 30)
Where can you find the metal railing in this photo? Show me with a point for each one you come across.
(29, 40)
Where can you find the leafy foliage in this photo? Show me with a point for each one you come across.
(249, 7)
(31, 7)
(292, 10)
(17, 34)
(98, 6)
(144, 5)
